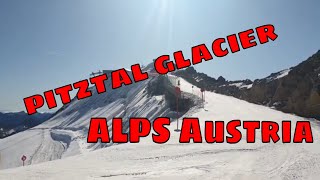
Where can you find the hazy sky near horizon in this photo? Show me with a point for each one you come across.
(48, 44)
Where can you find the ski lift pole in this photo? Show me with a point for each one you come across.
(177, 112)
(178, 92)
(202, 95)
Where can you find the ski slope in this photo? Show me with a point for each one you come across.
(65, 133)
(147, 160)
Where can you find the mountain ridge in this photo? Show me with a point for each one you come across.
(294, 90)
(14, 122)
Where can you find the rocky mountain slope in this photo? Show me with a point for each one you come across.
(294, 90)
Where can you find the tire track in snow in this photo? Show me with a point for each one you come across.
(124, 174)
(200, 153)
(38, 148)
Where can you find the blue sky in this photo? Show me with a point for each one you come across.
(48, 44)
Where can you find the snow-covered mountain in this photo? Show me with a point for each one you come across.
(64, 135)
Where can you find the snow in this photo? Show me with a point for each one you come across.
(11, 131)
(159, 98)
(198, 79)
(247, 86)
(241, 85)
(283, 73)
(65, 134)
(236, 84)
(147, 160)
(279, 75)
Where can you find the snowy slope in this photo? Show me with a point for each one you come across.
(148, 160)
(65, 133)
(278, 75)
